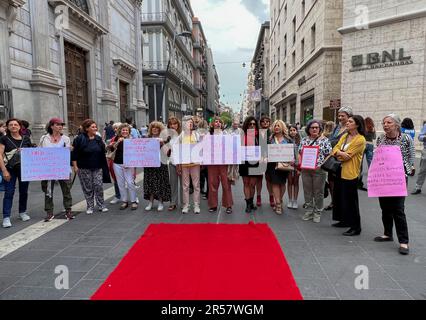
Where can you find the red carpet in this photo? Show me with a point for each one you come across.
(203, 262)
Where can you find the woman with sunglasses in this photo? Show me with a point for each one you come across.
(264, 134)
(250, 171)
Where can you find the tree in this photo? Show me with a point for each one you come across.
(226, 118)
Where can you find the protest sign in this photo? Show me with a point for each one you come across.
(309, 159)
(142, 153)
(186, 153)
(386, 177)
(221, 150)
(281, 152)
(38, 164)
(250, 153)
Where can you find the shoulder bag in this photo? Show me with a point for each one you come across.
(284, 166)
(13, 158)
(331, 164)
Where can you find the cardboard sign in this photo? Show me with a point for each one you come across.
(142, 153)
(386, 177)
(281, 152)
(38, 164)
(309, 159)
(221, 150)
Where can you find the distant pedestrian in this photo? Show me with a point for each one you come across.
(393, 208)
(10, 150)
(2, 129)
(422, 172)
(110, 160)
(89, 161)
(56, 139)
(109, 132)
(135, 134)
(25, 129)
(407, 126)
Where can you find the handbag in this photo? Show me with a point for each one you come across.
(13, 158)
(331, 164)
(284, 166)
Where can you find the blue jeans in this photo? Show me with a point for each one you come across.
(10, 192)
(369, 152)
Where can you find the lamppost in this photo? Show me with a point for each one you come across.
(172, 55)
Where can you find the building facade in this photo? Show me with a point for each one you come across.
(169, 66)
(213, 90)
(200, 59)
(72, 58)
(261, 71)
(384, 61)
(305, 58)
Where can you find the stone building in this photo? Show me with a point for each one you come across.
(168, 58)
(200, 59)
(261, 70)
(213, 95)
(384, 61)
(305, 58)
(74, 59)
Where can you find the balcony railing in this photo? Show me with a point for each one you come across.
(161, 66)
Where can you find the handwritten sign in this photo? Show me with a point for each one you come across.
(38, 164)
(187, 153)
(221, 150)
(142, 153)
(250, 153)
(281, 152)
(309, 158)
(386, 177)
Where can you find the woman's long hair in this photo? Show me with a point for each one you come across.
(297, 139)
(369, 125)
(246, 124)
(283, 127)
(360, 123)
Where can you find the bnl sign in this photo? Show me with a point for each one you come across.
(376, 60)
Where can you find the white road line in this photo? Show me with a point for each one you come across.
(35, 231)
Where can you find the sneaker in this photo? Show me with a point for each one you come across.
(103, 210)
(309, 215)
(49, 217)
(89, 211)
(69, 215)
(185, 210)
(6, 223)
(115, 201)
(290, 205)
(137, 200)
(149, 207)
(197, 209)
(317, 217)
(24, 216)
(160, 207)
(295, 205)
(205, 197)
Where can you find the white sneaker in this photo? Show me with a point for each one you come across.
(185, 210)
(290, 204)
(149, 207)
(6, 223)
(103, 210)
(295, 205)
(115, 201)
(197, 209)
(24, 216)
(137, 200)
(160, 207)
(89, 211)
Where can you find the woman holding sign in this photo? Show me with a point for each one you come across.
(10, 152)
(56, 139)
(123, 174)
(393, 207)
(277, 175)
(350, 151)
(156, 185)
(89, 161)
(218, 174)
(314, 149)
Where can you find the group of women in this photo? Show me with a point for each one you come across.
(95, 163)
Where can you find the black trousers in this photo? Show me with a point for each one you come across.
(346, 205)
(204, 178)
(393, 209)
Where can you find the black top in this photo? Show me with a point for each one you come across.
(11, 143)
(370, 136)
(118, 159)
(109, 132)
(89, 154)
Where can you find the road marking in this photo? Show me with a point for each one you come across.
(35, 231)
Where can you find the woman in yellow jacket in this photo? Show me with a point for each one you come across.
(350, 151)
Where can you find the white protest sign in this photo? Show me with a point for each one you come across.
(281, 152)
(221, 150)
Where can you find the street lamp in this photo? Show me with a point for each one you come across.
(186, 34)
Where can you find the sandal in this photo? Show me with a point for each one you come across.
(172, 207)
(134, 206)
(229, 210)
(124, 206)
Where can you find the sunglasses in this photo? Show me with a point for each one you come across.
(314, 128)
(252, 123)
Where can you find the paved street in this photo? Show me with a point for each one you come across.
(322, 260)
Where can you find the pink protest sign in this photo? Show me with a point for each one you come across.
(386, 177)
